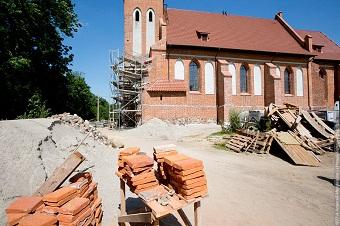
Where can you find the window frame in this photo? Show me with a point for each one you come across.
(197, 80)
(244, 85)
(289, 78)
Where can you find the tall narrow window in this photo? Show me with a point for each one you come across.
(150, 17)
(243, 79)
(150, 29)
(137, 16)
(278, 72)
(299, 82)
(179, 70)
(232, 70)
(257, 81)
(194, 76)
(209, 78)
(288, 81)
(137, 33)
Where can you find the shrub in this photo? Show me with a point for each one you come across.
(36, 108)
(234, 120)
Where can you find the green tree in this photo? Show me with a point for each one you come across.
(80, 100)
(36, 108)
(33, 58)
(103, 109)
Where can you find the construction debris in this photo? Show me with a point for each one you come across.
(74, 204)
(84, 127)
(300, 134)
(250, 141)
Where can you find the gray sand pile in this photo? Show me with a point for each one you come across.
(32, 149)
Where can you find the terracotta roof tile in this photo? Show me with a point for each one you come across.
(167, 86)
(24, 204)
(330, 50)
(230, 32)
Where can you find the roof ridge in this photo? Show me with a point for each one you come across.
(329, 38)
(220, 14)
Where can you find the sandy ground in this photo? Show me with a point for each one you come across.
(244, 189)
(247, 189)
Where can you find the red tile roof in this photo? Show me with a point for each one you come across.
(230, 32)
(330, 50)
(167, 86)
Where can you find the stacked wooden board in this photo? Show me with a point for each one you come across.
(72, 205)
(186, 176)
(137, 170)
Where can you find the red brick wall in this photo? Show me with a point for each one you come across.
(199, 106)
(144, 6)
(323, 88)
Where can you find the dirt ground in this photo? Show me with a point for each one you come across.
(247, 189)
(244, 189)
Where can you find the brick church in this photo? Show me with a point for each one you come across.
(204, 64)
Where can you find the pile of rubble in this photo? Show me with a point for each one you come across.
(176, 172)
(300, 134)
(75, 204)
(84, 126)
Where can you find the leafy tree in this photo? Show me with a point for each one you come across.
(103, 109)
(33, 58)
(80, 100)
(36, 108)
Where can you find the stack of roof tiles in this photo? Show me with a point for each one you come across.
(159, 153)
(72, 205)
(137, 169)
(186, 176)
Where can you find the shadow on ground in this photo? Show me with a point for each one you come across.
(135, 205)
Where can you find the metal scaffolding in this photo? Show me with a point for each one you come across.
(126, 86)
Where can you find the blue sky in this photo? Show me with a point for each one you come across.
(103, 28)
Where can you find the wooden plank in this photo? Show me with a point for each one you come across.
(312, 121)
(197, 213)
(136, 218)
(298, 154)
(60, 174)
(184, 217)
(324, 125)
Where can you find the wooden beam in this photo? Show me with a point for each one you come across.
(197, 212)
(184, 217)
(136, 218)
(60, 174)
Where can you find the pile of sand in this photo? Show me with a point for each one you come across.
(32, 149)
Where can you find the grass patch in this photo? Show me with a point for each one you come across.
(220, 146)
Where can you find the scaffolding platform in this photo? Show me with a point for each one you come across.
(128, 73)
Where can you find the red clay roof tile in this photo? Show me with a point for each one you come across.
(167, 86)
(230, 32)
(24, 204)
(330, 50)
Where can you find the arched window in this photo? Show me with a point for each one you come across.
(137, 33)
(243, 79)
(194, 76)
(299, 82)
(179, 70)
(150, 29)
(322, 73)
(288, 81)
(150, 17)
(257, 81)
(232, 70)
(137, 15)
(209, 78)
